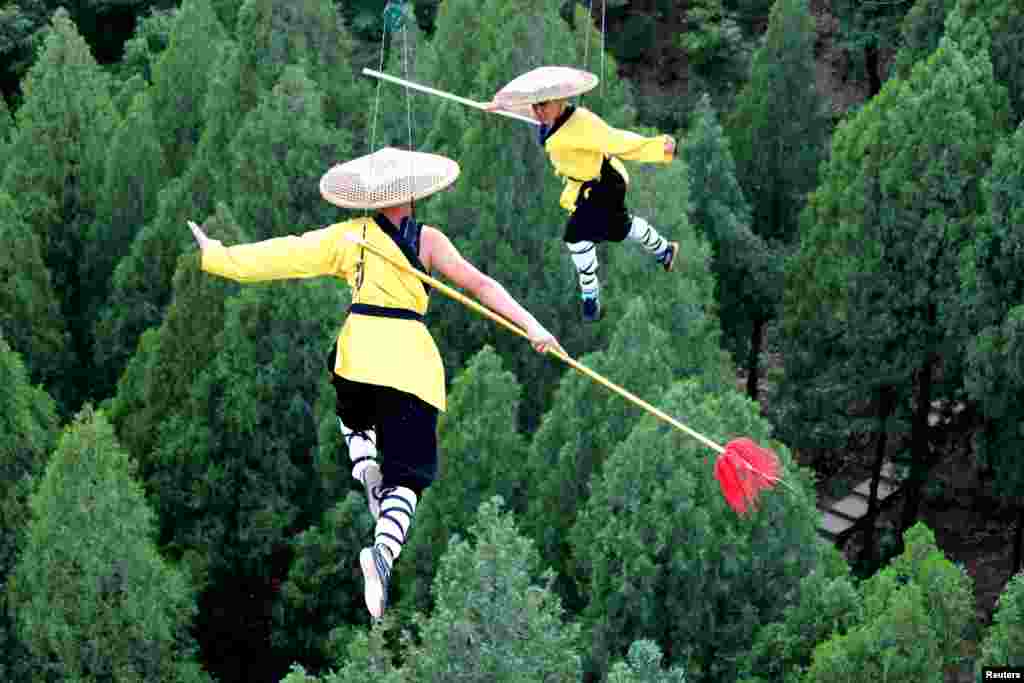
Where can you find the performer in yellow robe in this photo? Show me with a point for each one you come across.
(587, 153)
(386, 369)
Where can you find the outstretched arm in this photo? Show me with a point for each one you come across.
(438, 252)
(314, 253)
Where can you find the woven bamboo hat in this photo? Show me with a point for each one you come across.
(543, 84)
(388, 177)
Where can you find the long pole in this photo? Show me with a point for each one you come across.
(561, 355)
(448, 96)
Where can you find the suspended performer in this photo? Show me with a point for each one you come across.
(588, 153)
(385, 368)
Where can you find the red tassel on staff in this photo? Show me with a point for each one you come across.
(743, 470)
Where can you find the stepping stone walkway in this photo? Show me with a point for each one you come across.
(844, 516)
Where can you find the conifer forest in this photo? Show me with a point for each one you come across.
(177, 503)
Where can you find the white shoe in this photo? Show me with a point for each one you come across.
(376, 576)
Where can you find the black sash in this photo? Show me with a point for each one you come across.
(385, 312)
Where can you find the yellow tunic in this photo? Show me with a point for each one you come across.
(383, 351)
(579, 146)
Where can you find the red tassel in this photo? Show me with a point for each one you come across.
(743, 471)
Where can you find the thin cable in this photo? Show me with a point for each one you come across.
(604, 11)
(408, 109)
(361, 266)
(586, 38)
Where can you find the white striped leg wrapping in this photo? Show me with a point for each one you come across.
(643, 232)
(362, 450)
(397, 508)
(584, 257)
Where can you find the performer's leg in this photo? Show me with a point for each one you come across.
(643, 232)
(356, 411)
(408, 442)
(362, 451)
(584, 257)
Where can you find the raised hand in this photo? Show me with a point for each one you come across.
(202, 238)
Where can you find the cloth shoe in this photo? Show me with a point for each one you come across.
(668, 257)
(376, 577)
(591, 309)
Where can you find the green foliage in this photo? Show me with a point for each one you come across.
(59, 160)
(30, 318)
(482, 455)
(28, 429)
(875, 280)
(826, 603)
(870, 25)
(669, 561)
(1004, 643)
(915, 616)
(136, 170)
(496, 619)
(273, 34)
(322, 603)
(998, 29)
(587, 423)
(993, 289)
(161, 372)
(643, 665)
(7, 131)
(921, 31)
(779, 127)
(277, 157)
(151, 38)
(124, 612)
(742, 263)
(181, 77)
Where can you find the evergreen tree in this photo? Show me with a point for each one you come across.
(1003, 644)
(922, 28)
(181, 77)
(669, 561)
(778, 131)
(993, 291)
(59, 160)
(273, 34)
(481, 455)
(147, 43)
(277, 157)
(743, 270)
(915, 615)
(996, 28)
(869, 30)
(234, 471)
(136, 171)
(879, 259)
(30, 318)
(587, 423)
(28, 430)
(6, 132)
(124, 613)
(496, 618)
(643, 665)
(159, 378)
(321, 606)
(826, 603)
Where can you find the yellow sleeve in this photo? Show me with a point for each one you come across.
(318, 252)
(626, 144)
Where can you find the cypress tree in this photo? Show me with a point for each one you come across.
(481, 455)
(181, 77)
(667, 560)
(28, 430)
(30, 316)
(881, 252)
(64, 127)
(125, 612)
(778, 132)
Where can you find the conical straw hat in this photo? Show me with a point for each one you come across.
(388, 177)
(543, 84)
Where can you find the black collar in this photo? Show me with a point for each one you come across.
(562, 118)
